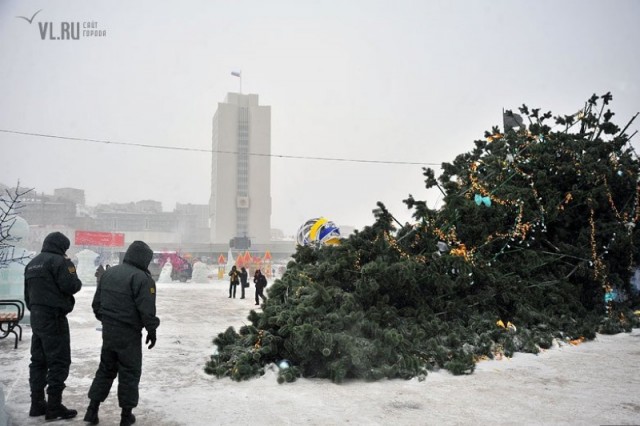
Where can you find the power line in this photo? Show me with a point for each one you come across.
(178, 148)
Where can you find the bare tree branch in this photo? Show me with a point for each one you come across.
(10, 205)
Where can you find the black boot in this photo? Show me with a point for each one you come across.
(92, 412)
(38, 404)
(127, 418)
(55, 409)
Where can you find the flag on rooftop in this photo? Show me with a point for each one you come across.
(236, 73)
(511, 120)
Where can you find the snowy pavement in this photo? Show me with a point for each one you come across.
(594, 383)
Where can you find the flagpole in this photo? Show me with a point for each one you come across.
(239, 75)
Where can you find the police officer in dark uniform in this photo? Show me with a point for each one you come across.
(50, 281)
(125, 302)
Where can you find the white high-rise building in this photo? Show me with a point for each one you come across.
(240, 203)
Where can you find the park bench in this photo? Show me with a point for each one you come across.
(11, 313)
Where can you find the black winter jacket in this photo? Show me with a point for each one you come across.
(260, 280)
(50, 278)
(244, 275)
(126, 294)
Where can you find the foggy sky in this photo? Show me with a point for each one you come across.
(414, 81)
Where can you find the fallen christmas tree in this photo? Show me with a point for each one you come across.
(536, 241)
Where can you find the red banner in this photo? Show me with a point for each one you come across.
(91, 238)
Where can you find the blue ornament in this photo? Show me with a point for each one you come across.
(479, 199)
(610, 296)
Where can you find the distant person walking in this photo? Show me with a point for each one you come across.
(234, 280)
(50, 281)
(125, 302)
(99, 273)
(244, 280)
(261, 282)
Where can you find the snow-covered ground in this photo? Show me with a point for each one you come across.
(594, 383)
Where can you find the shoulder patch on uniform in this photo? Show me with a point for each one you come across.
(152, 290)
(72, 269)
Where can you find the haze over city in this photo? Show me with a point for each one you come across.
(389, 82)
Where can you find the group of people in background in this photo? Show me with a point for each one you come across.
(240, 278)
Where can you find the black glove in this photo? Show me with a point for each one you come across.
(151, 337)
